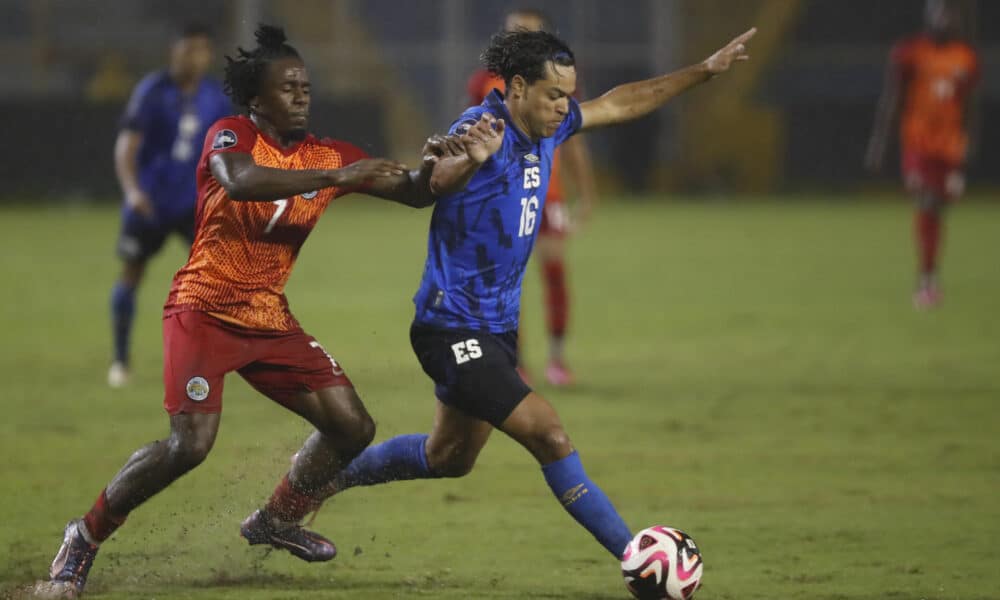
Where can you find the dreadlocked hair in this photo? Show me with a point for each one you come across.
(525, 53)
(245, 72)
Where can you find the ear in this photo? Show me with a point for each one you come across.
(517, 86)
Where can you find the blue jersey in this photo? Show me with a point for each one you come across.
(481, 238)
(173, 128)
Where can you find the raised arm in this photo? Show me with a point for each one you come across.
(886, 115)
(243, 179)
(639, 98)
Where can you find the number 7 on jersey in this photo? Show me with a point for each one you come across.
(282, 205)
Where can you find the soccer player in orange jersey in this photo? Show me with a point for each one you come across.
(930, 81)
(263, 183)
(573, 156)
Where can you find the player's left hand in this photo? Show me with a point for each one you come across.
(440, 146)
(734, 51)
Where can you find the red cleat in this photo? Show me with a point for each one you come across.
(926, 298)
(558, 374)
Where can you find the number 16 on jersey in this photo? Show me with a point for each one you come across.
(529, 205)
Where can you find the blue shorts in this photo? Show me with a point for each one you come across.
(142, 237)
(473, 371)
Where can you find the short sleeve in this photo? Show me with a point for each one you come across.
(571, 124)
(231, 134)
(139, 111)
(470, 117)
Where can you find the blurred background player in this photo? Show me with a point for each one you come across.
(573, 156)
(156, 155)
(929, 80)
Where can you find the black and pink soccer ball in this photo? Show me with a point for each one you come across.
(662, 563)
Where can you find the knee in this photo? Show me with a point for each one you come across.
(450, 461)
(362, 433)
(550, 444)
(188, 452)
(350, 434)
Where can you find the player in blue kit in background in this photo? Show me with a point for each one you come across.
(156, 156)
(485, 220)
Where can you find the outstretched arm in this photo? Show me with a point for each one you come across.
(633, 100)
(413, 187)
(885, 117)
(243, 179)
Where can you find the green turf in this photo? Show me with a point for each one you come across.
(750, 372)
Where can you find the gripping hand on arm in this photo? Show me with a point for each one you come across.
(479, 141)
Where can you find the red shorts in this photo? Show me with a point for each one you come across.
(555, 217)
(199, 349)
(922, 174)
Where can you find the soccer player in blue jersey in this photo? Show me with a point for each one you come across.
(156, 155)
(482, 231)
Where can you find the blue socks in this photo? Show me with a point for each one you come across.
(122, 311)
(404, 457)
(587, 503)
(400, 458)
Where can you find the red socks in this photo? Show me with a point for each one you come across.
(100, 522)
(290, 505)
(556, 296)
(927, 231)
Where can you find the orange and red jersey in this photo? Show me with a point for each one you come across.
(481, 83)
(938, 78)
(243, 252)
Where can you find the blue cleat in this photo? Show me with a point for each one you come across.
(260, 528)
(68, 574)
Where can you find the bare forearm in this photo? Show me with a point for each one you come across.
(411, 189)
(634, 100)
(580, 167)
(126, 167)
(452, 174)
(257, 183)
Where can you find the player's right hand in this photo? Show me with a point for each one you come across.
(483, 138)
(139, 202)
(363, 171)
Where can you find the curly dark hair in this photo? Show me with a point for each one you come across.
(245, 72)
(525, 53)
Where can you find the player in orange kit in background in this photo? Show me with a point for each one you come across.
(263, 183)
(930, 80)
(573, 156)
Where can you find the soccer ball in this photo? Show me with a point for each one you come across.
(662, 563)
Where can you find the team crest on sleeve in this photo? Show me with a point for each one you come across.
(310, 195)
(197, 388)
(225, 138)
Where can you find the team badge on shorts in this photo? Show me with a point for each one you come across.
(197, 389)
(224, 139)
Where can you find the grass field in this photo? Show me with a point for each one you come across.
(750, 372)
